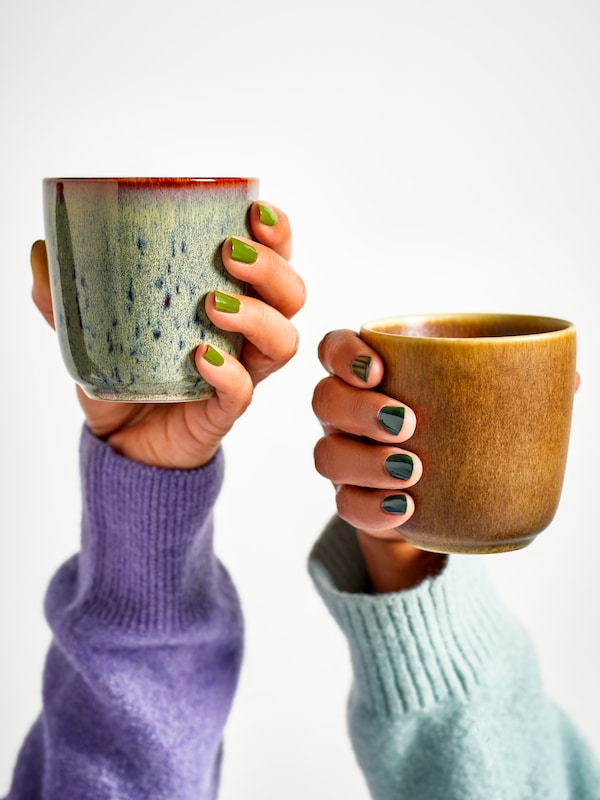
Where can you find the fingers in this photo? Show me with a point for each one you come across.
(346, 461)
(232, 383)
(376, 512)
(41, 281)
(343, 353)
(273, 337)
(278, 293)
(268, 272)
(271, 227)
(340, 407)
(360, 451)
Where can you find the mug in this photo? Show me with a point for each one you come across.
(493, 397)
(131, 261)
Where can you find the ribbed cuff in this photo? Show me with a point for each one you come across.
(410, 649)
(146, 559)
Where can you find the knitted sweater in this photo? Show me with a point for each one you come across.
(147, 639)
(447, 700)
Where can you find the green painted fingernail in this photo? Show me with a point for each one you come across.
(361, 366)
(268, 216)
(399, 465)
(391, 418)
(241, 251)
(213, 357)
(395, 504)
(227, 303)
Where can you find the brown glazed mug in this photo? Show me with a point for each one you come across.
(493, 397)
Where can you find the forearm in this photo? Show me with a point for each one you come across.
(147, 641)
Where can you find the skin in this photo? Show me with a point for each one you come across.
(187, 435)
(352, 453)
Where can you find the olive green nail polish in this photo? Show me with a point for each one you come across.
(213, 357)
(399, 465)
(268, 216)
(361, 366)
(227, 303)
(395, 504)
(241, 251)
(391, 418)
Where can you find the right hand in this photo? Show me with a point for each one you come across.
(187, 435)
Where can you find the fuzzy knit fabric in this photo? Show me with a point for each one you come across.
(447, 701)
(446, 704)
(147, 641)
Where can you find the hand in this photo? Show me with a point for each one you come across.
(362, 454)
(187, 435)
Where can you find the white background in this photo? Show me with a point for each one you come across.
(432, 156)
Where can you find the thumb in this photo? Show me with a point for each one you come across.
(40, 293)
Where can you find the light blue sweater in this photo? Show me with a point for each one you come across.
(447, 701)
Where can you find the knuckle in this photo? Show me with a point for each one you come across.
(320, 394)
(300, 295)
(322, 457)
(244, 393)
(343, 500)
(323, 348)
(290, 347)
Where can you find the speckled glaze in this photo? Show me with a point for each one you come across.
(131, 261)
(493, 397)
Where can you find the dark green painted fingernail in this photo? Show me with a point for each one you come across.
(391, 418)
(268, 216)
(361, 366)
(399, 465)
(213, 357)
(227, 303)
(395, 504)
(242, 251)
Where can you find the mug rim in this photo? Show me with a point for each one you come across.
(157, 181)
(549, 325)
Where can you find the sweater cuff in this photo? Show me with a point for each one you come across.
(146, 560)
(412, 649)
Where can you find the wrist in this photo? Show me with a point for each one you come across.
(394, 565)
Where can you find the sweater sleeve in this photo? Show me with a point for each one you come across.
(147, 641)
(447, 700)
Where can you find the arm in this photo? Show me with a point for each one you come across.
(447, 699)
(147, 641)
(147, 629)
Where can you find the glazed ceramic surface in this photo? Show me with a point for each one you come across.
(493, 397)
(131, 261)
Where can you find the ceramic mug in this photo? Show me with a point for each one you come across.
(493, 396)
(131, 261)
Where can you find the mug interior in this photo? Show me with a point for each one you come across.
(467, 326)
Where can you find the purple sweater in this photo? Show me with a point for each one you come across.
(147, 641)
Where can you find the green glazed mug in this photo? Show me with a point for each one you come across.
(493, 397)
(131, 261)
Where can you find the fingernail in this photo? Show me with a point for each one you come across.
(226, 303)
(391, 418)
(241, 251)
(361, 366)
(213, 357)
(399, 465)
(268, 216)
(395, 504)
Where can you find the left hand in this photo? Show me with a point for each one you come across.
(363, 454)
